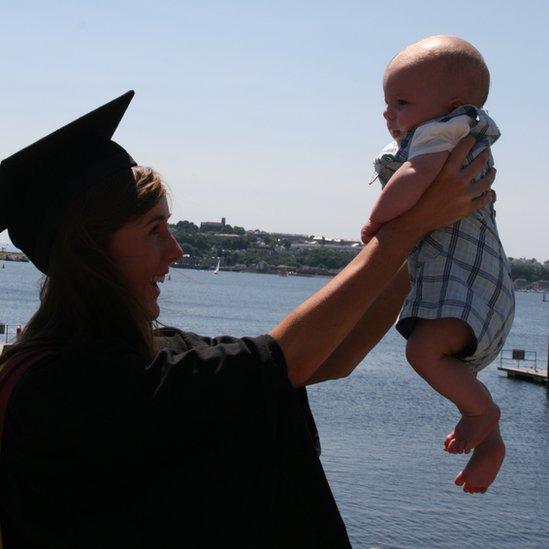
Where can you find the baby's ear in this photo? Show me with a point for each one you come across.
(456, 102)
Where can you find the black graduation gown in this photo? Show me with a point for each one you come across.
(207, 446)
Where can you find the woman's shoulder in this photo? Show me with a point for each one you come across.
(93, 364)
(114, 354)
(172, 339)
(169, 337)
(109, 374)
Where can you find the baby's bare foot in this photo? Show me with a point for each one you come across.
(471, 430)
(484, 465)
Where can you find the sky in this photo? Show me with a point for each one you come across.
(268, 113)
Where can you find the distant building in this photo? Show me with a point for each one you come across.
(317, 244)
(305, 246)
(291, 236)
(212, 226)
(540, 285)
(520, 283)
(263, 267)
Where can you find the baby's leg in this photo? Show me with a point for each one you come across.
(430, 350)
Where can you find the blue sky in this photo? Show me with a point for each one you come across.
(269, 112)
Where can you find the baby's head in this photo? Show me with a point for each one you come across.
(430, 78)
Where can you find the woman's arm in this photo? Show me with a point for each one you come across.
(368, 331)
(315, 329)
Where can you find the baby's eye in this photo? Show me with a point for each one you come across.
(402, 102)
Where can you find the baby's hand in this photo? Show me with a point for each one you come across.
(369, 229)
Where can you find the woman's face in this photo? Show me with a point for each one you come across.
(143, 251)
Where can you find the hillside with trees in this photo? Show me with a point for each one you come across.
(260, 251)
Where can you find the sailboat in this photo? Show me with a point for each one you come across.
(216, 270)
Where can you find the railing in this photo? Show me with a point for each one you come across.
(520, 356)
(9, 332)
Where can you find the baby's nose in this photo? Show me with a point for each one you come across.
(388, 113)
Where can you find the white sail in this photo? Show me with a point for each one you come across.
(216, 270)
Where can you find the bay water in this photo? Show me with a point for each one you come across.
(381, 428)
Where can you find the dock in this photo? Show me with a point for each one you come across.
(523, 364)
(528, 374)
(9, 333)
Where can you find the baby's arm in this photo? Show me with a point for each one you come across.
(408, 183)
(403, 190)
(428, 151)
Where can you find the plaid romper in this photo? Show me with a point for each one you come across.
(460, 271)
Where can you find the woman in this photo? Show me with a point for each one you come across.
(115, 438)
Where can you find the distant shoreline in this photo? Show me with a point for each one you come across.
(13, 256)
(540, 285)
(271, 271)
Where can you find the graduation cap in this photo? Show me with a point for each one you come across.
(38, 183)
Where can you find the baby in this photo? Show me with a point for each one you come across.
(461, 304)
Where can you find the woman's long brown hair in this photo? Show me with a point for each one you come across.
(83, 298)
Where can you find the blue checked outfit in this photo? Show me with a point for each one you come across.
(460, 271)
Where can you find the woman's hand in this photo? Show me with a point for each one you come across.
(452, 195)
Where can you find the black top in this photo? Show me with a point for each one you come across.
(207, 446)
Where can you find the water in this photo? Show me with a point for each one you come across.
(381, 428)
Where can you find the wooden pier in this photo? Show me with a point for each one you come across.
(528, 374)
(8, 334)
(522, 364)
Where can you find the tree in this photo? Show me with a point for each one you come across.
(186, 227)
(529, 269)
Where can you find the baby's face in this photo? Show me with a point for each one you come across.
(412, 97)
